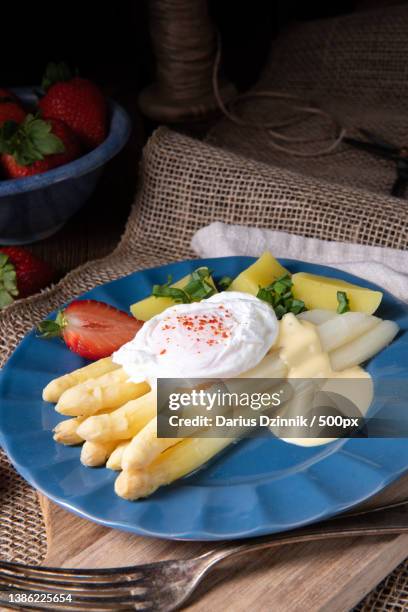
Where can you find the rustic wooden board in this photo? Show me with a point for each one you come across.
(324, 576)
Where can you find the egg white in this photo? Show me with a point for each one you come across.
(170, 346)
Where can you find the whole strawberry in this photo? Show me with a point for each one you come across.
(36, 146)
(76, 101)
(10, 107)
(21, 274)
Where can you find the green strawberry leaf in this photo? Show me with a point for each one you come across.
(54, 73)
(8, 281)
(43, 140)
(52, 329)
(29, 141)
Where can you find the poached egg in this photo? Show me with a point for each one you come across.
(222, 336)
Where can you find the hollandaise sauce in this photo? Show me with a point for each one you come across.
(301, 351)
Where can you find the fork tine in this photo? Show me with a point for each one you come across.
(69, 584)
(125, 602)
(113, 573)
(137, 593)
(73, 588)
(145, 587)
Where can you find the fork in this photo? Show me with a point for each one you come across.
(167, 585)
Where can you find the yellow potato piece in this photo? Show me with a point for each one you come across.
(321, 292)
(151, 306)
(263, 272)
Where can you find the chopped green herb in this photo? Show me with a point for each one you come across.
(224, 282)
(343, 302)
(177, 295)
(198, 288)
(297, 306)
(201, 273)
(279, 295)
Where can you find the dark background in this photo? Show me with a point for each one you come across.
(109, 42)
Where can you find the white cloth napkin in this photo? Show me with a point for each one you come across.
(383, 266)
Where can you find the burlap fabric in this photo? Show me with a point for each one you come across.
(185, 184)
(355, 68)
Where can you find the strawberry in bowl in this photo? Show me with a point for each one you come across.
(76, 101)
(53, 149)
(35, 146)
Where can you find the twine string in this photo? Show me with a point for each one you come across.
(300, 111)
(188, 53)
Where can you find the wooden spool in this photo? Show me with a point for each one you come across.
(185, 45)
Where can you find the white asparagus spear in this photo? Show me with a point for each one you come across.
(108, 391)
(115, 458)
(176, 462)
(94, 454)
(66, 431)
(122, 423)
(271, 366)
(145, 447)
(364, 347)
(343, 328)
(317, 316)
(55, 388)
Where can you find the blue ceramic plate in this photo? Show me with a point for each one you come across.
(258, 486)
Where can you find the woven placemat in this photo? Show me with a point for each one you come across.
(391, 595)
(185, 184)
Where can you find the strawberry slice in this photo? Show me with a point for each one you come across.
(92, 329)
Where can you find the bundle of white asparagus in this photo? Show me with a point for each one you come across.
(115, 419)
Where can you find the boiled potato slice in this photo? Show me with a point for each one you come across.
(263, 272)
(321, 292)
(149, 307)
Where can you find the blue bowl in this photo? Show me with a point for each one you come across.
(35, 207)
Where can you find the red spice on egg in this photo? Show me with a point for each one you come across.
(200, 327)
